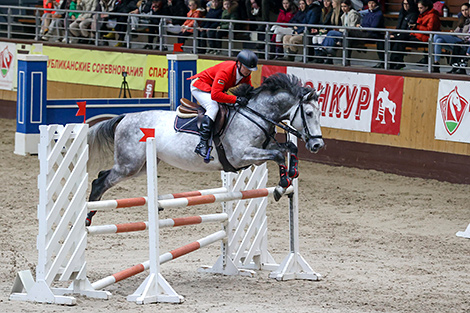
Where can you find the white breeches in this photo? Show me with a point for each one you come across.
(205, 99)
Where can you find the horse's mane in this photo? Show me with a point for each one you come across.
(272, 84)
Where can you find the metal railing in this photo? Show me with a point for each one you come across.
(161, 32)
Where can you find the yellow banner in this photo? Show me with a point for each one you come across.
(157, 70)
(100, 68)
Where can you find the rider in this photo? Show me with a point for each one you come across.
(210, 86)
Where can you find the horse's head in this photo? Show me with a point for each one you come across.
(305, 117)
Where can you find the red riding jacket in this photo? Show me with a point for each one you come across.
(218, 79)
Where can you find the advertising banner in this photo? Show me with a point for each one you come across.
(157, 69)
(452, 116)
(356, 101)
(8, 65)
(99, 68)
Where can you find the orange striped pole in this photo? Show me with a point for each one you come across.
(170, 222)
(139, 268)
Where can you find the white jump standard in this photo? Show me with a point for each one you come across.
(63, 180)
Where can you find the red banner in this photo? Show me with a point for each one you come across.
(386, 113)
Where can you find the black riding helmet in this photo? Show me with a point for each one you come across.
(248, 59)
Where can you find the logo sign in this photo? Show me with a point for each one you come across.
(356, 101)
(453, 107)
(7, 59)
(452, 120)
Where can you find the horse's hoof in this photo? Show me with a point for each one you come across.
(87, 222)
(278, 193)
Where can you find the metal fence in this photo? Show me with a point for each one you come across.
(161, 32)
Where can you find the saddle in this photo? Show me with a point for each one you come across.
(189, 109)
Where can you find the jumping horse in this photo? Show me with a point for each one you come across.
(248, 137)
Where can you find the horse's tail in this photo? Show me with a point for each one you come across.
(101, 143)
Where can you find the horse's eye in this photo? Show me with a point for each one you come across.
(309, 114)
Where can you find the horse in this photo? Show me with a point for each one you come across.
(386, 103)
(248, 138)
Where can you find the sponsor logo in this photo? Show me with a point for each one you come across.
(453, 107)
(385, 104)
(7, 59)
(220, 81)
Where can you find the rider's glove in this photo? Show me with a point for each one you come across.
(242, 101)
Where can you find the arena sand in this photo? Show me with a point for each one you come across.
(383, 243)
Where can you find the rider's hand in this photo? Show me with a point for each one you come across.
(241, 101)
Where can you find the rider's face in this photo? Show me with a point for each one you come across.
(244, 71)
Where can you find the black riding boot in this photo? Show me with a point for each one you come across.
(205, 131)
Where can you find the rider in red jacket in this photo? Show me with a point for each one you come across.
(210, 86)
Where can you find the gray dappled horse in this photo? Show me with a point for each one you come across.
(248, 138)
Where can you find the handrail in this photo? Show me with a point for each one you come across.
(237, 35)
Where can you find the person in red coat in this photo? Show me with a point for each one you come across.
(428, 20)
(210, 87)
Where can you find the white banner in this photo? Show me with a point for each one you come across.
(8, 65)
(348, 99)
(452, 116)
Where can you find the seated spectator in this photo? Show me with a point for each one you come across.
(57, 25)
(373, 18)
(47, 16)
(121, 6)
(187, 27)
(153, 9)
(441, 39)
(319, 34)
(428, 20)
(292, 42)
(266, 11)
(230, 12)
(176, 8)
(209, 28)
(350, 18)
(80, 27)
(286, 13)
(408, 16)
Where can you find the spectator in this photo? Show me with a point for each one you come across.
(428, 20)
(154, 8)
(440, 39)
(121, 6)
(286, 13)
(292, 42)
(73, 7)
(230, 12)
(80, 26)
(319, 34)
(373, 18)
(350, 18)
(408, 15)
(187, 27)
(266, 10)
(176, 8)
(46, 16)
(56, 26)
(209, 28)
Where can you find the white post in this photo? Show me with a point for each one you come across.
(155, 288)
(294, 265)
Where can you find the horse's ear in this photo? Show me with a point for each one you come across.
(313, 95)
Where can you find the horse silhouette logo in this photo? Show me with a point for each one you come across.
(453, 107)
(7, 59)
(385, 103)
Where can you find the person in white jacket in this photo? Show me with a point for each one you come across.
(81, 27)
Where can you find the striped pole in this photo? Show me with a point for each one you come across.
(170, 222)
(139, 268)
(228, 196)
(141, 201)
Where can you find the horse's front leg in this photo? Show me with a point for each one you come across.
(257, 156)
(294, 160)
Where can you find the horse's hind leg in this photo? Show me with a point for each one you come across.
(106, 179)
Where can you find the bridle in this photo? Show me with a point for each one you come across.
(289, 129)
